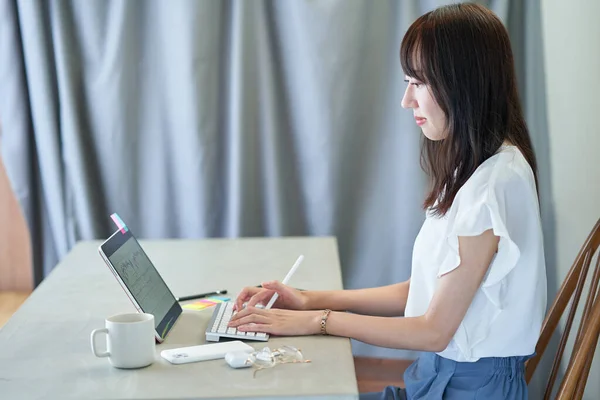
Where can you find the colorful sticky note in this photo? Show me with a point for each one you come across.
(205, 303)
(219, 299)
(119, 222)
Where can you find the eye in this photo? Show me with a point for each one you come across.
(416, 84)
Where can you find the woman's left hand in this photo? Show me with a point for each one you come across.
(277, 321)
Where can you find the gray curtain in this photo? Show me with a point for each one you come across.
(197, 119)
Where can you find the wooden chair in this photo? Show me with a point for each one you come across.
(576, 375)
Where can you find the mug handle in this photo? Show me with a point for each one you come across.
(93, 343)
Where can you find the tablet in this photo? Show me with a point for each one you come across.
(140, 280)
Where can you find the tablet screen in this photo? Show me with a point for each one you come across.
(142, 280)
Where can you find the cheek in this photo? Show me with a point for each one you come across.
(427, 105)
(440, 118)
(434, 112)
(436, 117)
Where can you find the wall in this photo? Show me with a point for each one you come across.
(15, 247)
(572, 65)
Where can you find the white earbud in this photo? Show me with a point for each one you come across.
(238, 359)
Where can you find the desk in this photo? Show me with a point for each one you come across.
(45, 350)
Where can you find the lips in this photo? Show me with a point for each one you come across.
(420, 121)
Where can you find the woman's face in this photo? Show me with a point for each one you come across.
(428, 114)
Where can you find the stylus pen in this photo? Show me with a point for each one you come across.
(285, 280)
(201, 295)
(302, 290)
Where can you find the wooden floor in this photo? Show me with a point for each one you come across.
(9, 303)
(373, 374)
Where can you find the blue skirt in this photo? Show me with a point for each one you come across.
(435, 377)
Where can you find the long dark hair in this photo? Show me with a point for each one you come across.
(463, 53)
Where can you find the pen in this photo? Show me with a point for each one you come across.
(302, 290)
(285, 280)
(201, 295)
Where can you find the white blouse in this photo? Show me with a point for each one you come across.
(507, 311)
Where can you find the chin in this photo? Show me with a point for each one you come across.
(433, 136)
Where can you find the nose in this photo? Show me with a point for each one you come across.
(408, 101)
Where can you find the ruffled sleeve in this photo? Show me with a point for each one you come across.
(476, 209)
(473, 212)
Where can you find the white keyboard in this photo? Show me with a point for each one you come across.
(217, 327)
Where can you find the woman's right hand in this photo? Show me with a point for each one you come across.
(289, 298)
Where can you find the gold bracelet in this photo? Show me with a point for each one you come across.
(324, 321)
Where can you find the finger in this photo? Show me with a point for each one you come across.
(252, 318)
(241, 298)
(249, 310)
(260, 298)
(239, 314)
(254, 327)
(235, 316)
(277, 287)
(244, 295)
(274, 285)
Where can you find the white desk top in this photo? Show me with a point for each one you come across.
(45, 351)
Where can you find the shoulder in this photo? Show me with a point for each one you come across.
(507, 173)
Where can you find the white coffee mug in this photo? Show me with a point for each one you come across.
(129, 341)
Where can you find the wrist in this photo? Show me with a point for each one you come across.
(315, 325)
(308, 300)
(323, 318)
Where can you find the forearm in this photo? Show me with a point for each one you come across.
(384, 301)
(414, 333)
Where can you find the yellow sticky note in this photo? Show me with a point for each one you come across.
(204, 303)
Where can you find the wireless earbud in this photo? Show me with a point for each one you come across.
(238, 359)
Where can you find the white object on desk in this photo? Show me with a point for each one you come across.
(285, 280)
(238, 359)
(129, 340)
(204, 352)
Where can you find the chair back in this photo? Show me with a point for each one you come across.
(569, 294)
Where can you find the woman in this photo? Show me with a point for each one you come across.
(477, 294)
